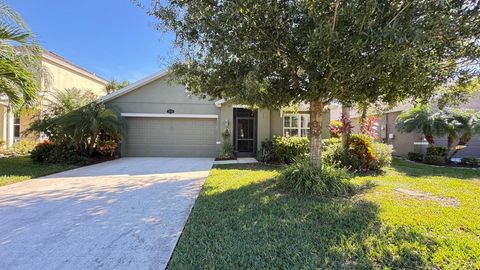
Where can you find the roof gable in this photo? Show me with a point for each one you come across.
(134, 86)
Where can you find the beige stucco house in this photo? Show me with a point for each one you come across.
(408, 142)
(164, 119)
(62, 75)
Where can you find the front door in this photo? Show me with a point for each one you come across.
(245, 136)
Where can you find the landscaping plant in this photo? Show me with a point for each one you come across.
(302, 177)
(24, 147)
(20, 60)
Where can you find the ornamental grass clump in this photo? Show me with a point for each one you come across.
(301, 177)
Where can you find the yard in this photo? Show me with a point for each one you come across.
(413, 216)
(17, 169)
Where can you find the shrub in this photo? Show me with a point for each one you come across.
(415, 156)
(41, 152)
(49, 152)
(329, 142)
(383, 153)
(265, 154)
(24, 147)
(288, 149)
(283, 149)
(361, 147)
(107, 148)
(335, 128)
(302, 177)
(362, 155)
(437, 151)
(434, 160)
(474, 162)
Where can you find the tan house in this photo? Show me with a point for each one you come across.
(408, 142)
(164, 119)
(62, 74)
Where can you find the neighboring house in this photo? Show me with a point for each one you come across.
(61, 74)
(164, 119)
(409, 142)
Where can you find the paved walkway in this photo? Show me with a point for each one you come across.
(122, 214)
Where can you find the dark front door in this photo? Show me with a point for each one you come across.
(245, 135)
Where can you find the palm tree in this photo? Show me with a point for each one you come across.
(86, 124)
(113, 85)
(418, 119)
(467, 125)
(20, 59)
(445, 124)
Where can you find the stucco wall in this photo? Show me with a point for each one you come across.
(61, 78)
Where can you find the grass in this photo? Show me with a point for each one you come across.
(414, 216)
(17, 169)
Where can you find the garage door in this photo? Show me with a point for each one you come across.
(171, 137)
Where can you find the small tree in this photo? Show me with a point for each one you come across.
(467, 125)
(418, 119)
(275, 53)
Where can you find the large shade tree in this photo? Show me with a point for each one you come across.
(20, 60)
(273, 53)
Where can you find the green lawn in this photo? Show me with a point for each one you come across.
(16, 169)
(414, 216)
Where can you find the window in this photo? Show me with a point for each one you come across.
(296, 125)
(16, 127)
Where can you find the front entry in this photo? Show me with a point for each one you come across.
(245, 135)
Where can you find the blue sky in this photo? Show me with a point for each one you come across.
(113, 38)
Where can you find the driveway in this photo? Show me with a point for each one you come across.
(122, 214)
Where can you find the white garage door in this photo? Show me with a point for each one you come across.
(171, 137)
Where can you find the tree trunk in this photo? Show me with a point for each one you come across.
(430, 140)
(316, 112)
(363, 119)
(346, 130)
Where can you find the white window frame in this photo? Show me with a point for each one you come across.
(299, 124)
(15, 124)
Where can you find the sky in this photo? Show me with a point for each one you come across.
(112, 38)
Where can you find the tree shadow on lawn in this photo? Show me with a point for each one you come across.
(258, 226)
(420, 170)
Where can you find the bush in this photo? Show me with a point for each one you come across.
(265, 154)
(434, 160)
(302, 177)
(49, 152)
(288, 149)
(474, 162)
(415, 156)
(283, 149)
(437, 151)
(383, 153)
(41, 152)
(335, 128)
(363, 154)
(23, 147)
(329, 142)
(107, 148)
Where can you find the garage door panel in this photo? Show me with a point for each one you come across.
(171, 137)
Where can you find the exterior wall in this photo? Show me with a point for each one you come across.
(61, 78)
(263, 126)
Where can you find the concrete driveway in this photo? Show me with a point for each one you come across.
(121, 214)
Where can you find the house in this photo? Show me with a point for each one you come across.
(164, 119)
(61, 74)
(408, 142)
